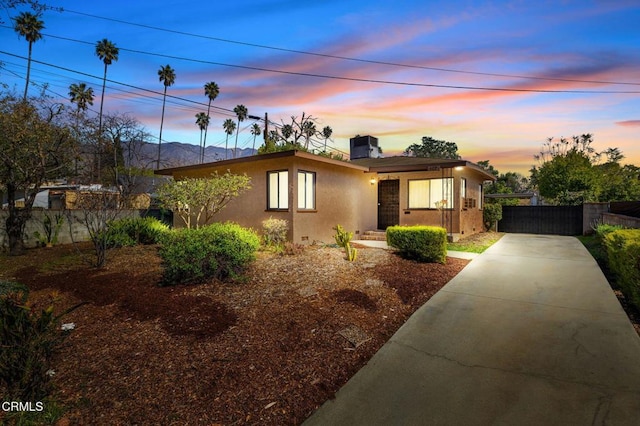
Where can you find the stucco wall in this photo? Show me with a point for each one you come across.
(68, 234)
(618, 219)
(343, 196)
(457, 220)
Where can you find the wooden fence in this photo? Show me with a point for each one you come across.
(554, 220)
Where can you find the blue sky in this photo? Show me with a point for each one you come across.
(449, 51)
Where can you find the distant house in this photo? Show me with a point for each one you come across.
(315, 193)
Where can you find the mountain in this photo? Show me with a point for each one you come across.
(175, 154)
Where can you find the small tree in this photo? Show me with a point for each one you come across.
(95, 210)
(491, 213)
(35, 146)
(199, 199)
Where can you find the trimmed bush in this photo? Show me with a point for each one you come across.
(421, 243)
(219, 250)
(623, 253)
(135, 230)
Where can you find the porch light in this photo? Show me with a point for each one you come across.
(459, 168)
(372, 181)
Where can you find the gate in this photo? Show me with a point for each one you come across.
(551, 220)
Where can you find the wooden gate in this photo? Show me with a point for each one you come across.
(388, 203)
(550, 220)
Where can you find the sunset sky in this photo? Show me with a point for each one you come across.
(497, 78)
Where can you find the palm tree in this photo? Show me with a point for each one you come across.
(229, 127)
(241, 112)
(81, 95)
(211, 90)
(202, 120)
(308, 130)
(255, 131)
(108, 53)
(287, 131)
(28, 26)
(326, 134)
(167, 76)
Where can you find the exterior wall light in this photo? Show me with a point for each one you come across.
(372, 181)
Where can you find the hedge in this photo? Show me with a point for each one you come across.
(219, 250)
(623, 254)
(421, 243)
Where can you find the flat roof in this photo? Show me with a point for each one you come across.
(375, 165)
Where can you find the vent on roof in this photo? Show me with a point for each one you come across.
(364, 147)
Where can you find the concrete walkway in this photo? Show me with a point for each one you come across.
(529, 333)
(383, 245)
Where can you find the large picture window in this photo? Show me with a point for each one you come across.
(431, 193)
(306, 190)
(278, 190)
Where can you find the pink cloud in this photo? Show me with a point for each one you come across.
(629, 123)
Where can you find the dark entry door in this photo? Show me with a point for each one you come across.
(388, 203)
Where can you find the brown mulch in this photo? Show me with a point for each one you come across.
(268, 349)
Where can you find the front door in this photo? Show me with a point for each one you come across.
(388, 203)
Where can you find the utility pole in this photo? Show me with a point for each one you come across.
(266, 128)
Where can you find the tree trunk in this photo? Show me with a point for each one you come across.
(15, 223)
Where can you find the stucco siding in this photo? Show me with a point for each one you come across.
(343, 196)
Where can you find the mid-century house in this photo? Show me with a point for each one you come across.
(315, 193)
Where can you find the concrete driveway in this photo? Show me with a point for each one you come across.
(529, 333)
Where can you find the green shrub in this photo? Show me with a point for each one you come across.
(28, 336)
(219, 250)
(274, 232)
(135, 230)
(491, 214)
(421, 243)
(623, 253)
(604, 229)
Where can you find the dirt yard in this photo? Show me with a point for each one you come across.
(267, 350)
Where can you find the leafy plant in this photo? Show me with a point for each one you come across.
(623, 254)
(343, 239)
(491, 214)
(136, 230)
(275, 231)
(199, 199)
(421, 243)
(51, 228)
(29, 337)
(219, 250)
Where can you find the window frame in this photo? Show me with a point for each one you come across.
(302, 190)
(278, 188)
(429, 198)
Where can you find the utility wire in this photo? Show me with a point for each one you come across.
(361, 80)
(346, 58)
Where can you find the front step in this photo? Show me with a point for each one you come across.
(374, 236)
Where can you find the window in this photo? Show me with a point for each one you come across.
(306, 190)
(431, 193)
(278, 190)
(480, 196)
(463, 188)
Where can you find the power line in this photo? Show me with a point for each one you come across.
(118, 82)
(346, 58)
(361, 80)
